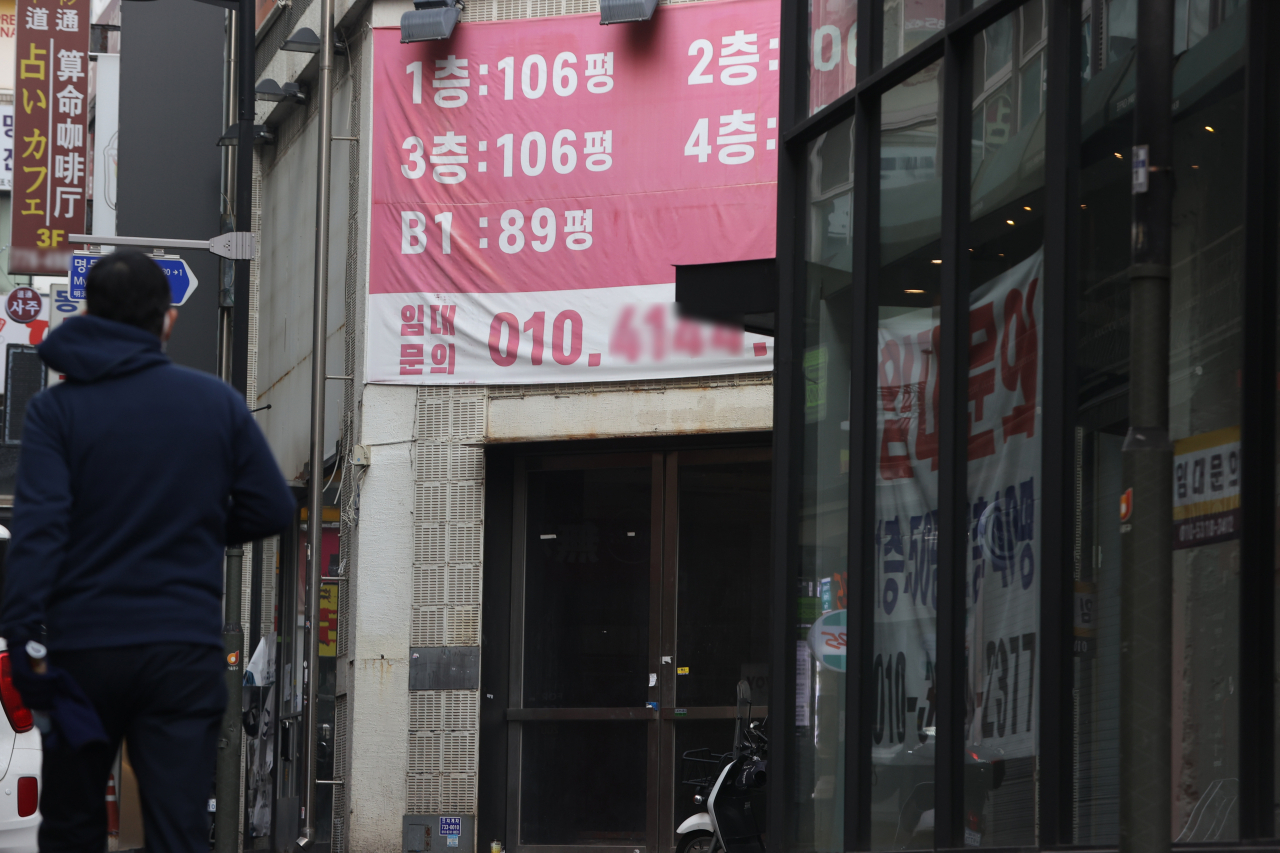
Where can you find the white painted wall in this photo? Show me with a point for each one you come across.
(381, 615)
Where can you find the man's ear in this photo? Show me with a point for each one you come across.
(170, 317)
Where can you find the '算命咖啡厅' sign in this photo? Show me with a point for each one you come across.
(50, 110)
(535, 182)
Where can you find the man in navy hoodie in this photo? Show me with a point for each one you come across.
(134, 475)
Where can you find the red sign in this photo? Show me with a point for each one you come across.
(23, 304)
(50, 106)
(536, 182)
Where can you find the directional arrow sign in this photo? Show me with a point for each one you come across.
(182, 281)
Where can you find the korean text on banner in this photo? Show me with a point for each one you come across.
(535, 183)
(1001, 586)
(6, 147)
(50, 106)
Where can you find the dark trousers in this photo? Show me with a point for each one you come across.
(167, 701)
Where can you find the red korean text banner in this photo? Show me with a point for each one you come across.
(536, 182)
(50, 104)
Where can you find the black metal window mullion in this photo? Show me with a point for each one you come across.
(860, 682)
(957, 99)
(1258, 450)
(788, 408)
(1062, 145)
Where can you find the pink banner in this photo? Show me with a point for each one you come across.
(556, 155)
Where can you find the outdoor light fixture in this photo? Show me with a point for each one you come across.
(430, 20)
(231, 136)
(304, 40)
(626, 11)
(269, 90)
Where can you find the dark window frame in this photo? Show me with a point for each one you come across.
(953, 44)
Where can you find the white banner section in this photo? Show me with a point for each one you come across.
(535, 337)
(1002, 580)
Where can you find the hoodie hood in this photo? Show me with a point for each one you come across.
(87, 349)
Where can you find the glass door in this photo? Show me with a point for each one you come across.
(716, 609)
(584, 665)
(639, 600)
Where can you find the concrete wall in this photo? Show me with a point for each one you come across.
(719, 404)
(380, 622)
(287, 284)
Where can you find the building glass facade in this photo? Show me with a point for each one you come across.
(1025, 468)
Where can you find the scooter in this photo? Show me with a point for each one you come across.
(729, 824)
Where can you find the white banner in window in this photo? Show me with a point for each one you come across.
(1002, 549)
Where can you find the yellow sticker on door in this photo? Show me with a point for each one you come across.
(682, 670)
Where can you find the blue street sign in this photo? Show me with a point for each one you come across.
(182, 281)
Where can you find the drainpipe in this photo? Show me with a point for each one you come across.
(1146, 575)
(227, 778)
(315, 481)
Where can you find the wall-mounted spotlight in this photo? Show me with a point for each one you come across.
(304, 40)
(231, 136)
(626, 11)
(269, 90)
(430, 20)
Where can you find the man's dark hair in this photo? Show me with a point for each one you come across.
(129, 287)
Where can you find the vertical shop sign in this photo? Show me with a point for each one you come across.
(49, 134)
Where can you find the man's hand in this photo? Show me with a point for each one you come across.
(37, 690)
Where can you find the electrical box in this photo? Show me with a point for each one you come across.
(361, 454)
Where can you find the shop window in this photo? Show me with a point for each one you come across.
(908, 24)
(833, 50)
(1203, 381)
(820, 623)
(1005, 431)
(905, 596)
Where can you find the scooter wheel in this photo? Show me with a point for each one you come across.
(698, 841)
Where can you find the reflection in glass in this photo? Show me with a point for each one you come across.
(583, 782)
(723, 595)
(833, 50)
(1205, 360)
(1002, 593)
(908, 23)
(820, 623)
(587, 579)
(1122, 28)
(906, 494)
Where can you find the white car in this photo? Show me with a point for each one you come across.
(20, 757)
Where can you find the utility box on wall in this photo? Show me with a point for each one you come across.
(439, 834)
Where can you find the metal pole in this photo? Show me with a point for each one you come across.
(226, 296)
(315, 481)
(1146, 574)
(247, 78)
(227, 783)
(227, 780)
